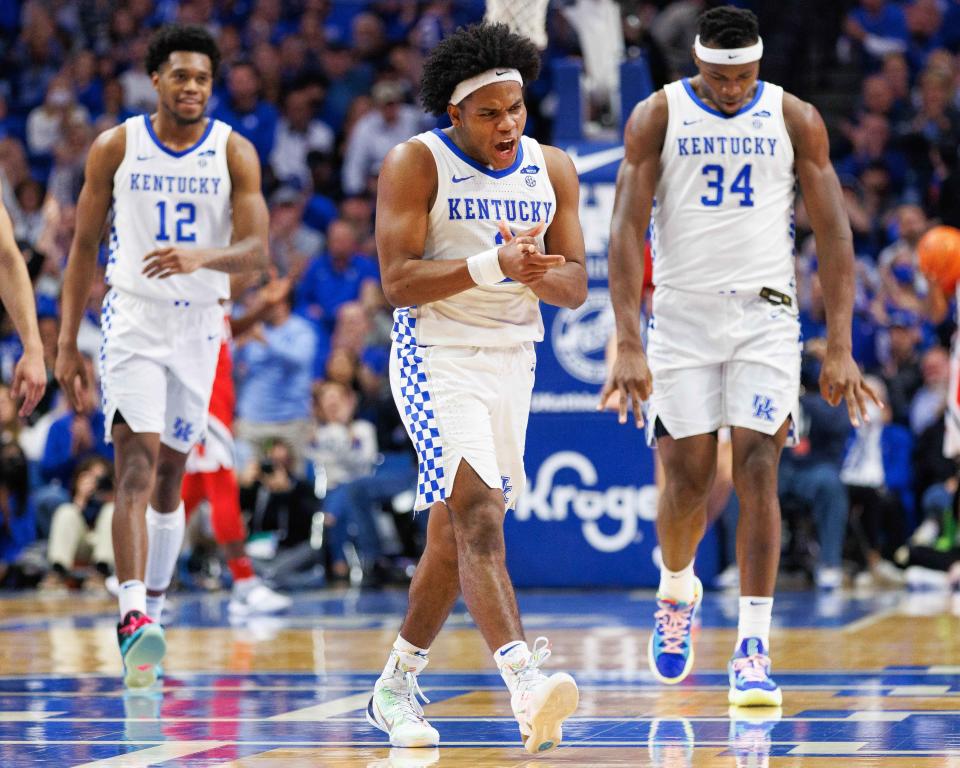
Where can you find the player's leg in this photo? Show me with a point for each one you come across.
(756, 457)
(762, 388)
(540, 702)
(249, 594)
(142, 644)
(166, 522)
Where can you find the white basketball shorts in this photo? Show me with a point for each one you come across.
(157, 363)
(465, 404)
(721, 360)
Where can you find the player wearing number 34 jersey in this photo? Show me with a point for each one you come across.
(187, 210)
(714, 160)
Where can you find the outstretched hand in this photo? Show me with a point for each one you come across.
(840, 378)
(631, 379)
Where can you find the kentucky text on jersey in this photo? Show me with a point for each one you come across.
(492, 209)
(194, 185)
(726, 145)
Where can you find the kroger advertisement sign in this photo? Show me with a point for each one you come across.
(587, 515)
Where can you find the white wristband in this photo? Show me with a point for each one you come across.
(485, 267)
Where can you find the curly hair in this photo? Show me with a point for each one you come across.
(728, 27)
(181, 37)
(470, 51)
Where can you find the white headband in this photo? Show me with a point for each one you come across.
(728, 55)
(466, 87)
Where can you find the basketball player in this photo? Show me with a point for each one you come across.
(210, 474)
(16, 293)
(462, 362)
(187, 211)
(719, 153)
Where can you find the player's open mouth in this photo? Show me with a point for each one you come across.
(505, 148)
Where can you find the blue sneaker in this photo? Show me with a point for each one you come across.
(670, 651)
(142, 647)
(750, 681)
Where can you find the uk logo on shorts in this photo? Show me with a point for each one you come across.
(763, 408)
(507, 488)
(182, 430)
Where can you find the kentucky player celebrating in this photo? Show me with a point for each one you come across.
(462, 362)
(187, 211)
(715, 158)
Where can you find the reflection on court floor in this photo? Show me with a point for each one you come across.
(869, 680)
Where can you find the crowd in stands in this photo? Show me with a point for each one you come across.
(324, 89)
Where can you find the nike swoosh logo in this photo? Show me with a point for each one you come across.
(586, 163)
(144, 157)
(505, 651)
(502, 73)
(733, 56)
(691, 122)
(754, 602)
(455, 180)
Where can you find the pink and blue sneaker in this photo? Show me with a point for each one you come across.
(670, 651)
(142, 647)
(750, 681)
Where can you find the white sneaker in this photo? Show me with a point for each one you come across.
(542, 703)
(395, 709)
(256, 598)
(920, 578)
(926, 533)
(830, 578)
(728, 578)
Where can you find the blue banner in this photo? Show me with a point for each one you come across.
(586, 517)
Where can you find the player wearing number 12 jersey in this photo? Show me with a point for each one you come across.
(715, 159)
(187, 210)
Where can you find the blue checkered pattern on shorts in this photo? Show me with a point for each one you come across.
(417, 411)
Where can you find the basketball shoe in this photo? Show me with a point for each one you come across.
(142, 646)
(395, 706)
(540, 703)
(670, 742)
(750, 681)
(252, 596)
(670, 651)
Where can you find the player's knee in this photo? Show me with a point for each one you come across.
(479, 532)
(757, 468)
(134, 476)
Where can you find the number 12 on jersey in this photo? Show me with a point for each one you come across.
(186, 216)
(740, 186)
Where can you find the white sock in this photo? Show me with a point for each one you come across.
(677, 585)
(754, 621)
(404, 657)
(510, 657)
(164, 540)
(155, 607)
(133, 597)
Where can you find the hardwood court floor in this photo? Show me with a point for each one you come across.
(869, 680)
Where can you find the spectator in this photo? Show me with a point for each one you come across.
(876, 472)
(277, 498)
(810, 471)
(298, 133)
(376, 133)
(871, 139)
(334, 277)
(901, 363)
(292, 244)
(17, 524)
(929, 402)
(875, 29)
(243, 109)
(47, 124)
(80, 530)
(274, 368)
(343, 453)
(348, 80)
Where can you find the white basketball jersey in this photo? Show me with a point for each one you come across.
(723, 213)
(163, 198)
(471, 199)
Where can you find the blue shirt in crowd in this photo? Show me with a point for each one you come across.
(59, 461)
(324, 288)
(274, 379)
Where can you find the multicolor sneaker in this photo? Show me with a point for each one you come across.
(670, 651)
(750, 681)
(395, 709)
(751, 731)
(542, 703)
(142, 647)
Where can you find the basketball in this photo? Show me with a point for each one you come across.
(939, 254)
